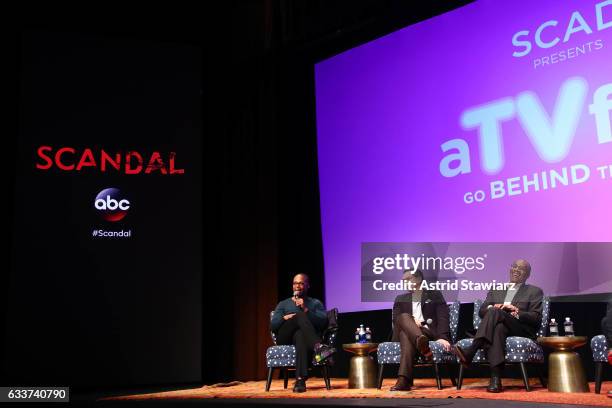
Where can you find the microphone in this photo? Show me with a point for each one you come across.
(429, 321)
(296, 294)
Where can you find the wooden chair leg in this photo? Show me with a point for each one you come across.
(325, 370)
(525, 376)
(438, 378)
(269, 380)
(598, 373)
(451, 374)
(460, 379)
(380, 376)
(285, 377)
(541, 375)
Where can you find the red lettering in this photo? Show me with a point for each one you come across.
(58, 156)
(46, 158)
(156, 163)
(128, 160)
(65, 158)
(106, 158)
(172, 169)
(87, 159)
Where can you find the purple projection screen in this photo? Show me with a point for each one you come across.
(491, 123)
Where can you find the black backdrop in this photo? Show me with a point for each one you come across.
(261, 207)
(84, 310)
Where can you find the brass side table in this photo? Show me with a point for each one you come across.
(362, 369)
(565, 370)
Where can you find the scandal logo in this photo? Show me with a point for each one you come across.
(70, 159)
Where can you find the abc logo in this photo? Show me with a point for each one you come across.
(111, 204)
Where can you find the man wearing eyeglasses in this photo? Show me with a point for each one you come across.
(513, 312)
(299, 320)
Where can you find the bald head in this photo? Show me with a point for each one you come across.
(520, 270)
(301, 283)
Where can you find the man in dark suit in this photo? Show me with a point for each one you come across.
(418, 317)
(513, 312)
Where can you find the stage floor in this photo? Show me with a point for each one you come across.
(242, 393)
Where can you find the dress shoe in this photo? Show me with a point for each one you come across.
(465, 355)
(402, 384)
(300, 385)
(422, 344)
(495, 384)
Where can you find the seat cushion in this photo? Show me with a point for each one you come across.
(518, 350)
(280, 356)
(390, 353)
(523, 350)
(479, 357)
(599, 345)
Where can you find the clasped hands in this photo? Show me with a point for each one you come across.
(513, 310)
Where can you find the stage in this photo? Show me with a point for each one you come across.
(473, 394)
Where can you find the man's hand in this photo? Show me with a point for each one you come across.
(510, 309)
(444, 344)
(499, 306)
(288, 316)
(299, 302)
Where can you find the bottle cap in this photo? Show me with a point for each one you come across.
(552, 320)
(567, 319)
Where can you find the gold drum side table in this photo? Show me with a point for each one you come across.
(362, 369)
(565, 370)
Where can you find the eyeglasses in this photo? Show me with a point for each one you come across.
(516, 268)
(299, 283)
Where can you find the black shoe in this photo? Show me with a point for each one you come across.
(402, 384)
(322, 352)
(465, 355)
(495, 384)
(300, 385)
(422, 344)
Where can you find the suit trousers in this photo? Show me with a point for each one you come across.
(494, 328)
(300, 332)
(408, 331)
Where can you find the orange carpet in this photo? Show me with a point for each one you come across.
(424, 388)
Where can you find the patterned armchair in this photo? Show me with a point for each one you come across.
(283, 356)
(599, 345)
(389, 352)
(519, 350)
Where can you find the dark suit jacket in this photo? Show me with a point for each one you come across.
(528, 299)
(433, 306)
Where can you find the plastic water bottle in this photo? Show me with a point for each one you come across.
(568, 327)
(357, 335)
(368, 335)
(553, 328)
(362, 334)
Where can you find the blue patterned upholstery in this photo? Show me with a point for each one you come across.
(280, 356)
(389, 352)
(599, 345)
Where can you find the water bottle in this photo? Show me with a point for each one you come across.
(568, 327)
(368, 335)
(362, 334)
(553, 328)
(357, 335)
